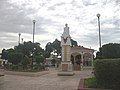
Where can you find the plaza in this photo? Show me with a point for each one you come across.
(48, 81)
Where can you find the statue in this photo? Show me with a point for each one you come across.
(66, 30)
(65, 38)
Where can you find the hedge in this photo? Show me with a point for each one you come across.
(22, 68)
(107, 73)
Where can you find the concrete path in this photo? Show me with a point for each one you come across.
(45, 82)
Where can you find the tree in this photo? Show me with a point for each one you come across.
(15, 58)
(48, 49)
(25, 61)
(39, 59)
(111, 50)
(56, 47)
(27, 48)
(22, 53)
(4, 54)
(74, 43)
(53, 61)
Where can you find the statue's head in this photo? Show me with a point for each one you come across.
(66, 24)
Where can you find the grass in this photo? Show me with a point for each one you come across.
(90, 82)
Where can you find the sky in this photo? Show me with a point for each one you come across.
(16, 16)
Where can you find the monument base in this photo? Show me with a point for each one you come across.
(66, 69)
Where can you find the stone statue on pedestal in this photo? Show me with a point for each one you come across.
(66, 65)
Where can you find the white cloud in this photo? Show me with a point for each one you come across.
(51, 15)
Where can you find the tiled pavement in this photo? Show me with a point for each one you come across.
(45, 82)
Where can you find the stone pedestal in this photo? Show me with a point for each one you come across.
(66, 69)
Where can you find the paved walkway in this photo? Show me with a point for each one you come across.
(45, 82)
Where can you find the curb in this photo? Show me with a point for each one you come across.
(81, 85)
(1, 80)
(30, 74)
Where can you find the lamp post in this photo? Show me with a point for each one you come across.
(82, 60)
(22, 40)
(98, 15)
(19, 38)
(33, 29)
(32, 55)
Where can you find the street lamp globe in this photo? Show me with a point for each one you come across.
(34, 21)
(19, 34)
(98, 15)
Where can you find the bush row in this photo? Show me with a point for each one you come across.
(107, 73)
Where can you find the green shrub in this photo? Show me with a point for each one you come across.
(15, 67)
(38, 67)
(107, 73)
(11, 67)
(90, 82)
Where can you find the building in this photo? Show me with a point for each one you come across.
(81, 56)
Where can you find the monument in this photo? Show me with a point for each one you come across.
(66, 67)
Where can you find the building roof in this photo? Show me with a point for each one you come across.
(81, 48)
